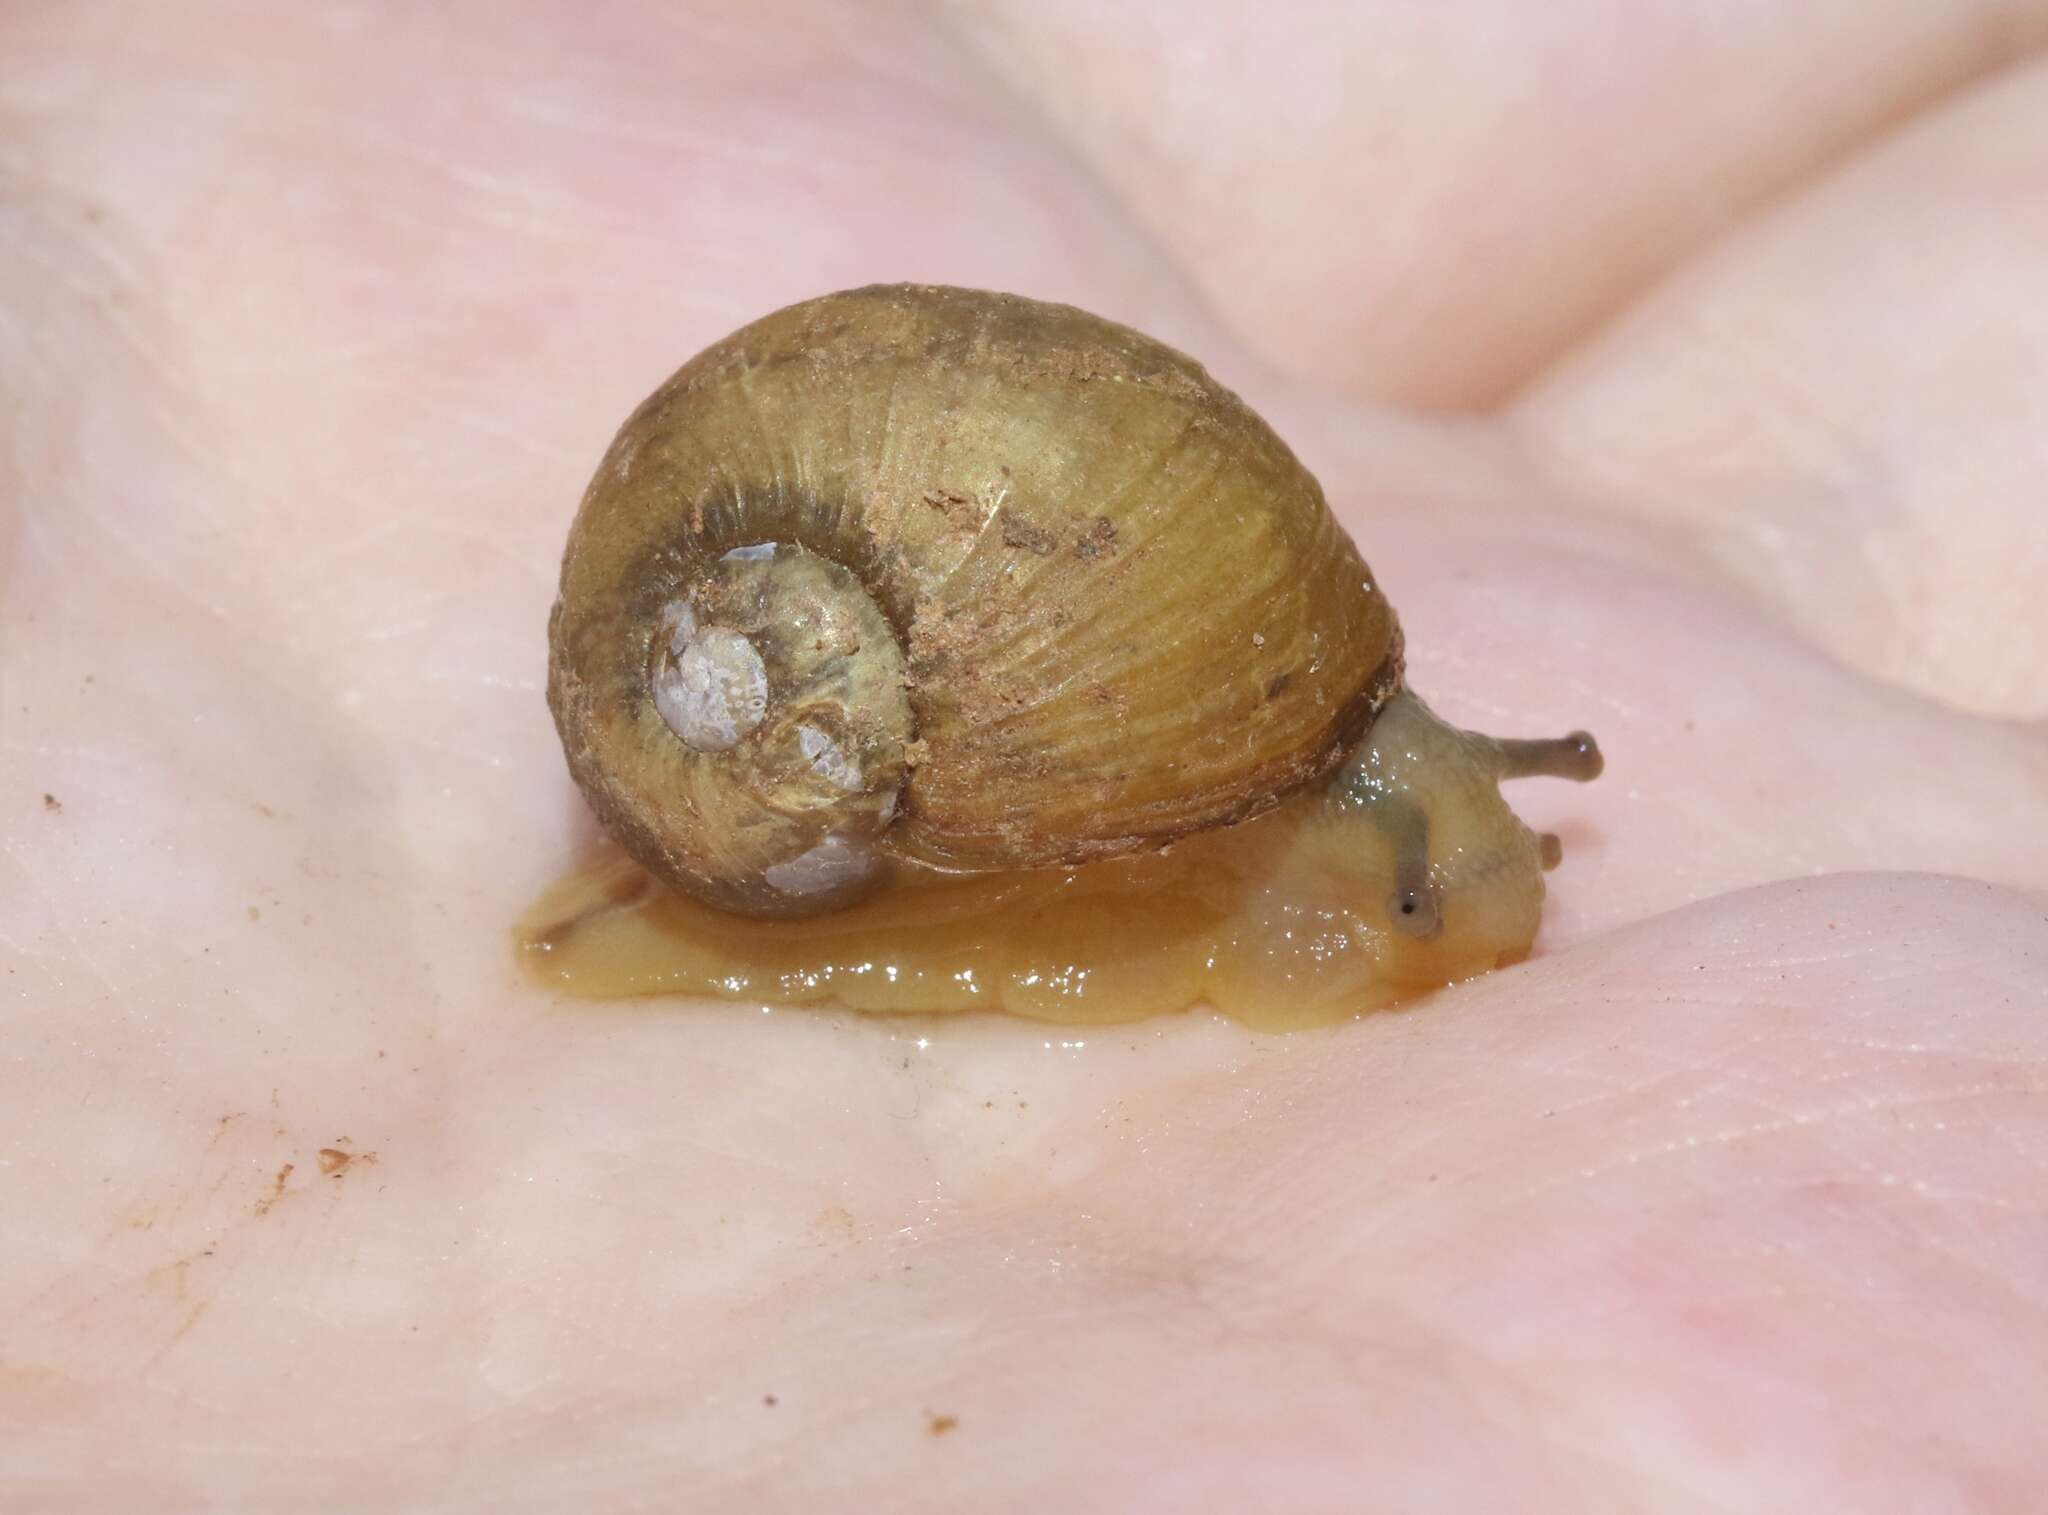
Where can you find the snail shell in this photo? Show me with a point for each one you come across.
(956, 579)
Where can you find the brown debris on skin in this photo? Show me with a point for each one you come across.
(263, 1205)
(337, 1160)
(52, 804)
(941, 1424)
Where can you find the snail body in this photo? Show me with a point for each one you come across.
(912, 611)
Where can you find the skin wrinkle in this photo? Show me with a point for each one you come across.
(1800, 1120)
(1864, 496)
(1444, 190)
(1466, 1373)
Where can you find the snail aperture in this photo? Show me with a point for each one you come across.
(910, 584)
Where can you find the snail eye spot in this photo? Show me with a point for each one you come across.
(1413, 912)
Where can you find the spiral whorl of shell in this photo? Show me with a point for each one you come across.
(956, 578)
(783, 687)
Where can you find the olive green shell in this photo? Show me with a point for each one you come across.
(1124, 611)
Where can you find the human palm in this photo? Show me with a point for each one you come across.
(1682, 376)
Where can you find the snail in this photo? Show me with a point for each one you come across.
(934, 648)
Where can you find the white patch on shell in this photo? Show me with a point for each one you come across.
(827, 759)
(678, 625)
(834, 864)
(713, 687)
(752, 552)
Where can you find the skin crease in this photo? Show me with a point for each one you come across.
(312, 328)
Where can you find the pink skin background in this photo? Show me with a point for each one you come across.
(1682, 370)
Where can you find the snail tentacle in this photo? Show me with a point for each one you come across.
(1575, 756)
(1412, 905)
